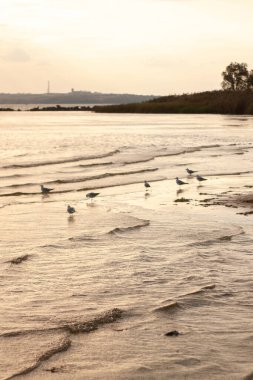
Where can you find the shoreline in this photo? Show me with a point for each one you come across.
(210, 102)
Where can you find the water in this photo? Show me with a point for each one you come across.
(91, 296)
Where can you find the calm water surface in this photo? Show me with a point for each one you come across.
(92, 296)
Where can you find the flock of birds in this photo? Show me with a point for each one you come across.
(179, 181)
(71, 210)
(190, 172)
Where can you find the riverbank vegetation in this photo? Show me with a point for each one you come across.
(213, 102)
(235, 98)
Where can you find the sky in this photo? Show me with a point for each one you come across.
(153, 47)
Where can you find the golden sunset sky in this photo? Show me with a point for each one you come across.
(155, 47)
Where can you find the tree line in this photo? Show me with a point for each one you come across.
(237, 77)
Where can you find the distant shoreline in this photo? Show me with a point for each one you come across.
(211, 102)
(72, 98)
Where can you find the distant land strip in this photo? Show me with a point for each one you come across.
(209, 102)
(73, 97)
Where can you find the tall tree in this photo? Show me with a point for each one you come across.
(250, 80)
(235, 77)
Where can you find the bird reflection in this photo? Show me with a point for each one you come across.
(179, 191)
(71, 219)
(147, 195)
(44, 196)
(91, 204)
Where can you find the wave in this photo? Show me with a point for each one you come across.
(88, 188)
(75, 180)
(100, 176)
(188, 150)
(170, 308)
(219, 239)
(63, 345)
(228, 174)
(119, 230)
(199, 291)
(14, 186)
(18, 260)
(115, 231)
(83, 238)
(195, 298)
(16, 194)
(61, 161)
(20, 193)
(8, 204)
(13, 176)
(138, 161)
(56, 246)
(118, 184)
(87, 326)
(95, 164)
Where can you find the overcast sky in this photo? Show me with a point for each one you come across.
(138, 46)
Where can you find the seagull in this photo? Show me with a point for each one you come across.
(147, 185)
(71, 210)
(179, 182)
(45, 190)
(91, 195)
(200, 179)
(189, 171)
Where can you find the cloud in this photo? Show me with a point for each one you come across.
(17, 55)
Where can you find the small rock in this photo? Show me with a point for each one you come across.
(172, 333)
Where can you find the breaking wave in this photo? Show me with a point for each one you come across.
(170, 308)
(187, 300)
(115, 232)
(100, 176)
(219, 239)
(64, 343)
(74, 180)
(74, 327)
(120, 230)
(61, 161)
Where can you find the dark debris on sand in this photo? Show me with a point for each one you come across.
(182, 200)
(18, 260)
(232, 201)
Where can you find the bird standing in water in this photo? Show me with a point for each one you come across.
(147, 185)
(92, 195)
(180, 182)
(71, 210)
(45, 190)
(190, 172)
(200, 179)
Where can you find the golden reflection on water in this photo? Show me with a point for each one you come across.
(130, 249)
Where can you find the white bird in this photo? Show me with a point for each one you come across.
(45, 190)
(71, 210)
(189, 171)
(180, 182)
(147, 185)
(200, 179)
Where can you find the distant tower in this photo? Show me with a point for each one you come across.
(48, 87)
